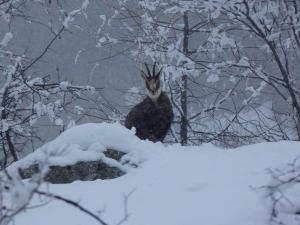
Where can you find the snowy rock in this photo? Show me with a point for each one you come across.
(85, 152)
(84, 170)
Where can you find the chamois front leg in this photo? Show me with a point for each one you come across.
(152, 138)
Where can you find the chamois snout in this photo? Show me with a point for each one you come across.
(153, 87)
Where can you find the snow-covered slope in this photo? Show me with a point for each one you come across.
(173, 185)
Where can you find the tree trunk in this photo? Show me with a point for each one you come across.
(184, 83)
(11, 146)
(6, 134)
(286, 80)
(1, 199)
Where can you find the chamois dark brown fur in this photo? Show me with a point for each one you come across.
(153, 116)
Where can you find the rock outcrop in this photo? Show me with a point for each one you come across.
(84, 171)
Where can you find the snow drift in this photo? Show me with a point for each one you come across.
(172, 185)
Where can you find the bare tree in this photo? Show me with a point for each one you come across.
(225, 61)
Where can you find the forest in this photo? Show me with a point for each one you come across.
(208, 89)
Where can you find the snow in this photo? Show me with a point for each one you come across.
(64, 85)
(7, 37)
(172, 184)
(213, 78)
(84, 143)
(71, 15)
(77, 56)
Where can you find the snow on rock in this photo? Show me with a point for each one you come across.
(85, 143)
(173, 186)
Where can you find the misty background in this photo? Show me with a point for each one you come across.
(226, 75)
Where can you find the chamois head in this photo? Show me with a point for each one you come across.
(152, 81)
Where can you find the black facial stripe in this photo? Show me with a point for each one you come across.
(153, 90)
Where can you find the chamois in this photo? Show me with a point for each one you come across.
(153, 116)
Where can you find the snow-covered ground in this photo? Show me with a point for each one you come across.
(173, 185)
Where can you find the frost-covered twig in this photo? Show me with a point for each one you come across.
(281, 192)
